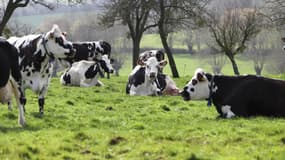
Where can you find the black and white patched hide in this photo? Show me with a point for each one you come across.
(86, 73)
(143, 79)
(36, 56)
(238, 95)
(90, 51)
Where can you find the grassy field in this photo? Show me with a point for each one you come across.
(105, 123)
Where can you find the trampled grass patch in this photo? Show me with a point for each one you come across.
(105, 123)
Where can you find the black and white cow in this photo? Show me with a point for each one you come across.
(238, 95)
(86, 73)
(9, 74)
(89, 51)
(143, 79)
(36, 56)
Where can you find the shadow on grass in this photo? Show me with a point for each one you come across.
(17, 128)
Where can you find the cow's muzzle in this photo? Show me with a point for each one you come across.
(185, 95)
(152, 75)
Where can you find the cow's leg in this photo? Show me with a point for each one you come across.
(10, 105)
(227, 112)
(99, 83)
(41, 100)
(85, 83)
(19, 94)
(23, 99)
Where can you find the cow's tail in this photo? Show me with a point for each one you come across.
(17, 94)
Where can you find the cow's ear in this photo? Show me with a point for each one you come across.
(163, 63)
(200, 77)
(283, 39)
(51, 35)
(64, 34)
(140, 62)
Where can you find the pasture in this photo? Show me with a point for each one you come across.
(105, 123)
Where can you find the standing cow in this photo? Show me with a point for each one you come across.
(86, 73)
(36, 56)
(9, 74)
(238, 95)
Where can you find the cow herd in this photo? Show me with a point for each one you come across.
(27, 62)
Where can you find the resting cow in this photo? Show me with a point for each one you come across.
(86, 73)
(36, 54)
(9, 73)
(238, 95)
(143, 79)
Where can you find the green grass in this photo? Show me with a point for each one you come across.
(105, 123)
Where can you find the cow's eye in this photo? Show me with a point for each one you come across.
(192, 89)
(194, 82)
(59, 40)
(148, 66)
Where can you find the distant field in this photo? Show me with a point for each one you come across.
(187, 64)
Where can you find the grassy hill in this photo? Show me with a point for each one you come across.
(105, 123)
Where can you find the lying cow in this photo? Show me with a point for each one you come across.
(238, 95)
(143, 79)
(86, 73)
(10, 72)
(36, 54)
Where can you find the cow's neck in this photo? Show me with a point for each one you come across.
(223, 85)
(45, 50)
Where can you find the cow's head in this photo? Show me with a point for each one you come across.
(103, 47)
(57, 45)
(152, 67)
(283, 39)
(105, 63)
(197, 88)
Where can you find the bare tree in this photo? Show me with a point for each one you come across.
(276, 11)
(19, 29)
(232, 29)
(261, 47)
(12, 5)
(173, 15)
(135, 14)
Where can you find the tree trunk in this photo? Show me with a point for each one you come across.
(136, 51)
(169, 53)
(163, 37)
(234, 64)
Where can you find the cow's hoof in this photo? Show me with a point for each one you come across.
(22, 122)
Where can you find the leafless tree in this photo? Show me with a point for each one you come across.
(173, 15)
(231, 30)
(11, 5)
(19, 29)
(276, 11)
(135, 14)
